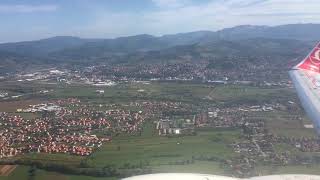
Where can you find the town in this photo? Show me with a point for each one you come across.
(94, 110)
(215, 89)
(70, 126)
(63, 130)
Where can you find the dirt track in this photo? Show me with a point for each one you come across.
(5, 170)
(12, 106)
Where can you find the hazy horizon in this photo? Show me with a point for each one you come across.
(124, 36)
(32, 20)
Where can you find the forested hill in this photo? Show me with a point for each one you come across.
(287, 41)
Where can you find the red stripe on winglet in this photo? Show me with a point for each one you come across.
(312, 61)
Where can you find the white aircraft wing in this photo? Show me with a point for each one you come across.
(192, 176)
(306, 79)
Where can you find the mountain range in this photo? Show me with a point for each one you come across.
(240, 39)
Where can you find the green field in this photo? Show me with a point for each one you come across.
(282, 123)
(249, 94)
(133, 91)
(52, 158)
(298, 169)
(159, 151)
(173, 91)
(22, 173)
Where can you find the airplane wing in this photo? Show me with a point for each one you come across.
(306, 79)
(193, 176)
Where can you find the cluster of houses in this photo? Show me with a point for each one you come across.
(265, 74)
(166, 127)
(220, 118)
(304, 144)
(259, 145)
(230, 117)
(175, 126)
(19, 135)
(66, 130)
(257, 108)
(204, 70)
(108, 75)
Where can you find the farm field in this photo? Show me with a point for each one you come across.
(136, 91)
(169, 91)
(23, 173)
(249, 94)
(6, 170)
(282, 123)
(164, 151)
(172, 91)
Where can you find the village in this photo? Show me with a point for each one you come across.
(62, 130)
(258, 144)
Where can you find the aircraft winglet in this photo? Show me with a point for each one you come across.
(312, 61)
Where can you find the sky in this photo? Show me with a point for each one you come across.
(22, 20)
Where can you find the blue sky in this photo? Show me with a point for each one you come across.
(22, 20)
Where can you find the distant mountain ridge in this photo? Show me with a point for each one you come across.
(220, 49)
(234, 41)
(307, 32)
(67, 45)
(44, 46)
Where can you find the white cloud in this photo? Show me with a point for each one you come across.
(170, 3)
(175, 16)
(218, 14)
(27, 8)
